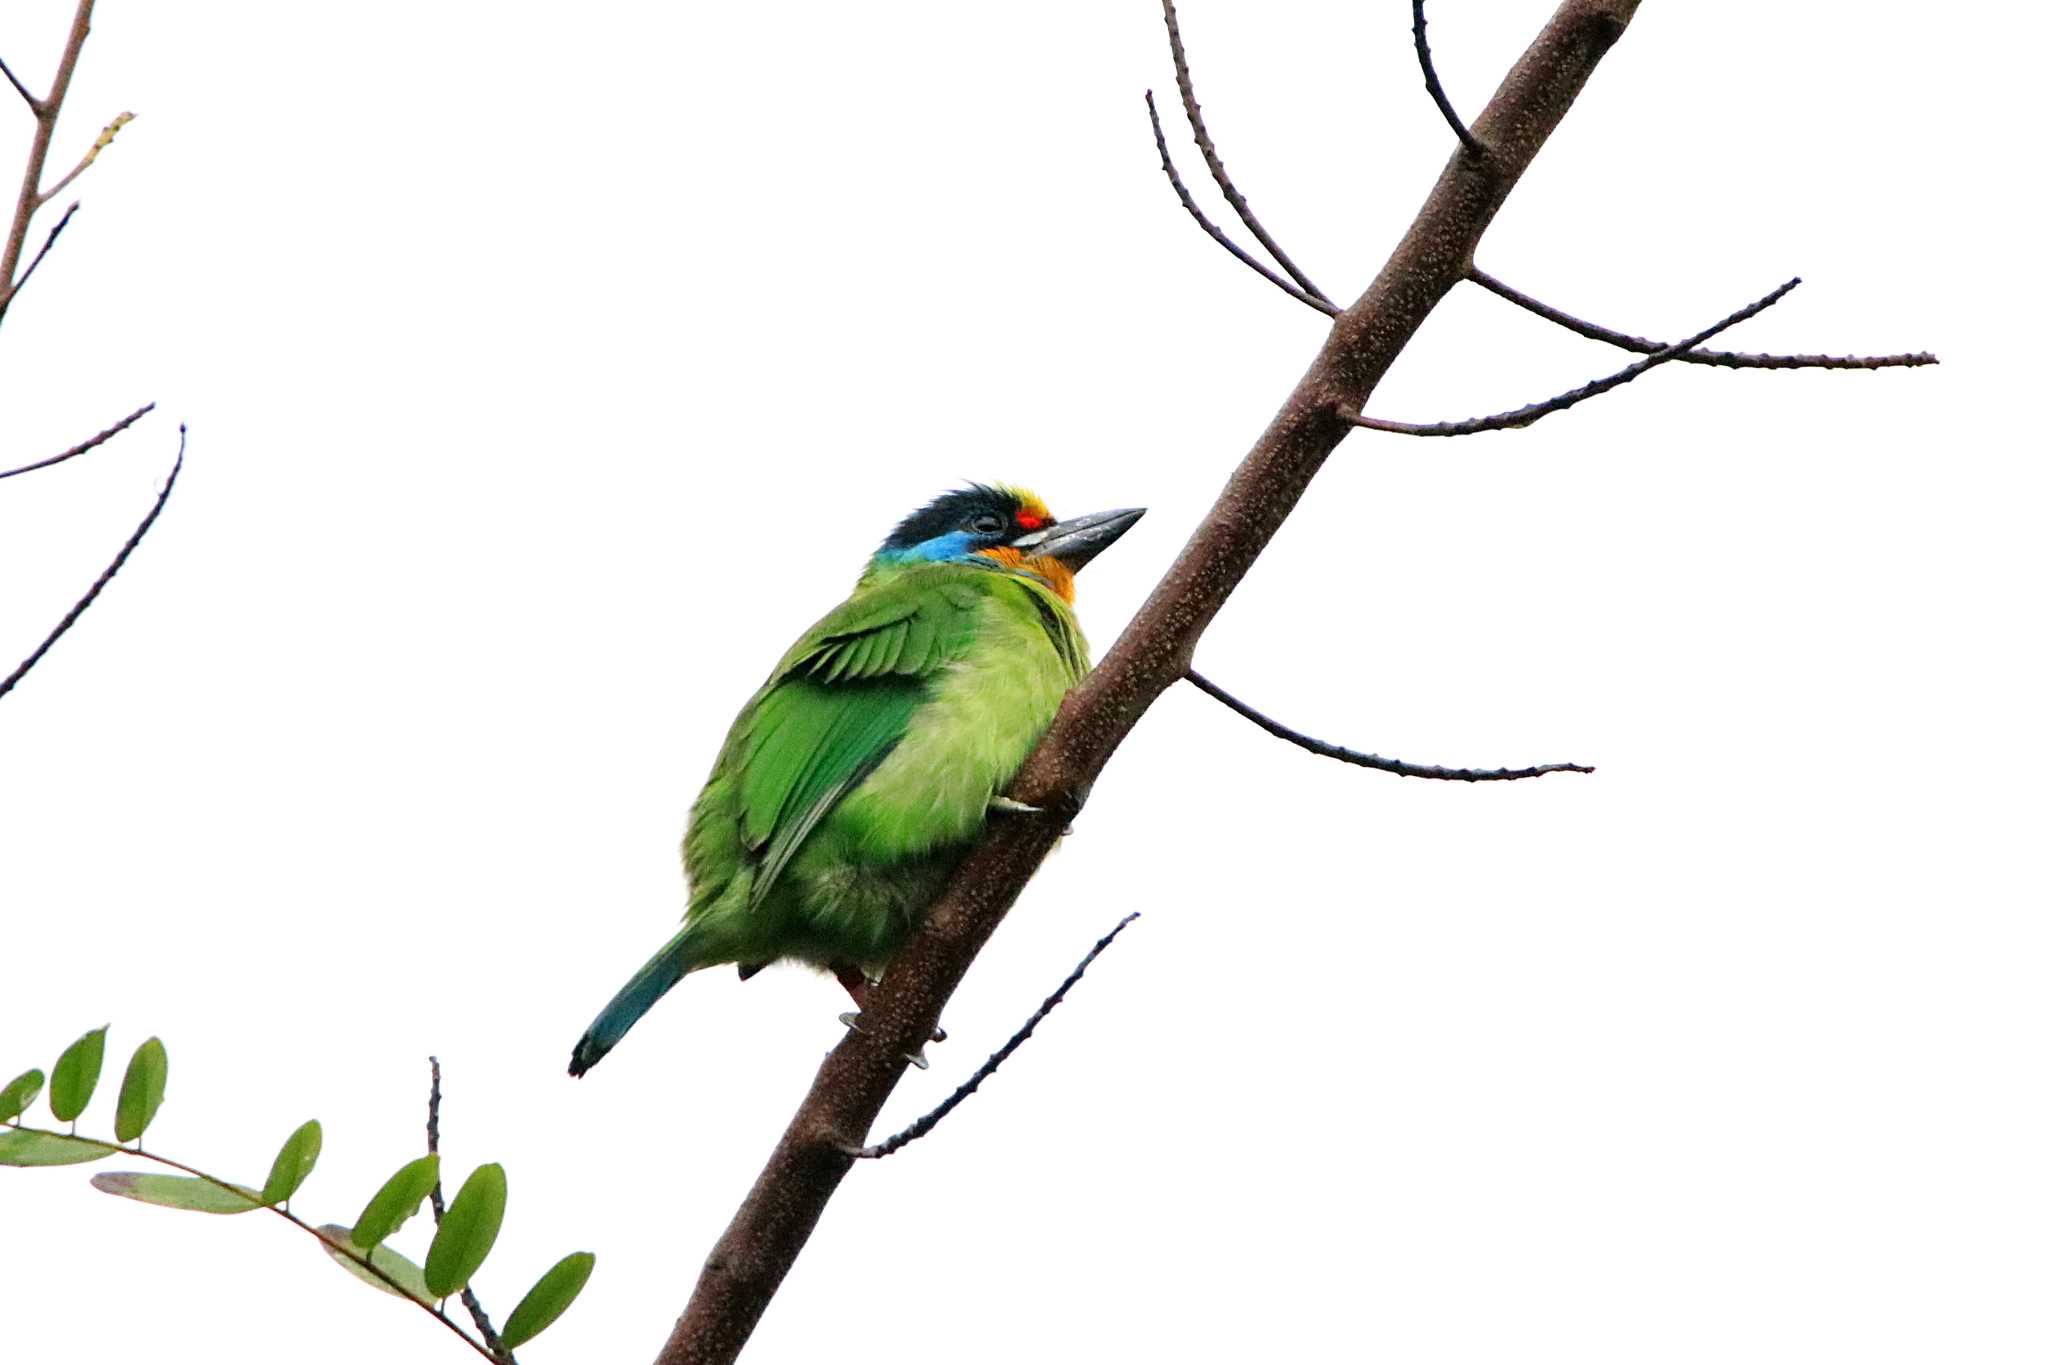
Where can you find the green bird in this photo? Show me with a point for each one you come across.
(865, 767)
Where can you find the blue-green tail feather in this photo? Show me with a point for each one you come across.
(634, 999)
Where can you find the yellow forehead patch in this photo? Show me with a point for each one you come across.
(1029, 504)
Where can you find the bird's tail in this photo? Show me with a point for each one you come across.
(676, 959)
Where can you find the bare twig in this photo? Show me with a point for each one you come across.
(1187, 201)
(35, 105)
(47, 109)
(85, 445)
(1436, 88)
(78, 608)
(92, 154)
(1738, 360)
(988, 1068)
(1385, 765)
(1216, 172)
(770, 1228)
(492, 1341)
(1522, 417)
(7, 294)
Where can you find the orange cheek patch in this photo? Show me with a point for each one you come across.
(1051, 570)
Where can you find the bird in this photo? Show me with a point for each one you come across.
(865, 767)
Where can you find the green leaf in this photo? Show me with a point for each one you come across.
(29, 1147)
(20, 1093)
(384, 1258)
(142, 1090)
(76, 1073)
(177, 1192)
(294, 1163)
(468, 1229)
(399, 1200)
(549, 1298)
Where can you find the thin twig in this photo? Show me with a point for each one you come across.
(1738, 360)
(1385, 765)
(1216, 171)
(8, 292)
(35, 105)
(1436, 89)
(498, 1350)
(92, 154)
(47, 109)
(83, 446)
(988, 1068)
(359, 1259)
(1522, 417)
(1187, 201)
(78, 608)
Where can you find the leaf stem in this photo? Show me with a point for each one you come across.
(350, 1252)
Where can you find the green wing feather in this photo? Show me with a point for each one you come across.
(839, 702)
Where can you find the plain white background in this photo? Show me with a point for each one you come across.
(549, 369)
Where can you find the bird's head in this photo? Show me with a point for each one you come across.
(1003, 528)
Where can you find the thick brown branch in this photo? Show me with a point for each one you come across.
(770, 1229)
(1738, 360)
(115, 430)
(1385, 765)
(988, 1068)
(46, 110)
(1436, 87)
(492, 1341)
(1187, 201)
(1522, 417)
(106, 577)
(1237, 201)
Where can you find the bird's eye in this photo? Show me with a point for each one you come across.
(987, 524)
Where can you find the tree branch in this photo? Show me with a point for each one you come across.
(770, 1229)
(46, 111)
(78, 608)
(92, 154)
(1522, 417)
(115, 430)
(35, 106)
(1738, 360)
(1216, 172)
(7, 294)
(492, 1341)
(988, 1068)
(1436, 87)
(1187, 201)
(1385, 765)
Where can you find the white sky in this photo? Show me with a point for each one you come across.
(546, 375)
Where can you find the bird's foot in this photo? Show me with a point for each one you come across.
(917, 1059)
(852, 1020)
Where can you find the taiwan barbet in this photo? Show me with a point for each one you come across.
(865, 767)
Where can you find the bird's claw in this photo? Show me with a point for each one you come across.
(917, 1059)
(1010, 807)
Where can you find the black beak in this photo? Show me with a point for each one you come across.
(1077, 540)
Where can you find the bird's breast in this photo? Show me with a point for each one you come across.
(982, 715)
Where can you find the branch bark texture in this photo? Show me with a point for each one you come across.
(762, 1242)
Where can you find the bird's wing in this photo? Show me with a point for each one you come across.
(841, 700)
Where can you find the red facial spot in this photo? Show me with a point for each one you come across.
(1030, 521)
